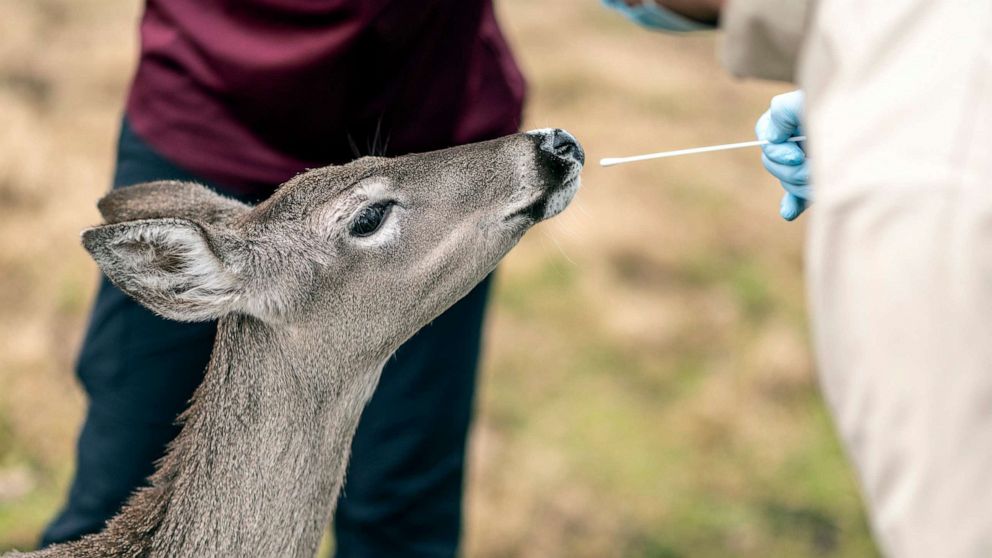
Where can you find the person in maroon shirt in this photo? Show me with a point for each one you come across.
(241, 95)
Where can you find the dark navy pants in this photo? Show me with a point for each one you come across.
(403, 494)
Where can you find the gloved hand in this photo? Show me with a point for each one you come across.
(786, 160)
(648, 13)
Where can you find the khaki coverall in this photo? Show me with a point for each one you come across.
(899, 255)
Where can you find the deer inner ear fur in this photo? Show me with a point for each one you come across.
(169, 265)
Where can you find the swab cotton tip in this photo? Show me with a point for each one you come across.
(610, 161)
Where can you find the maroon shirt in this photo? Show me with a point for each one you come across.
(248, 93)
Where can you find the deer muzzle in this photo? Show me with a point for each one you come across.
(559, 158)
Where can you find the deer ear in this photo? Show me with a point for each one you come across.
(170, 198)
(169, 265)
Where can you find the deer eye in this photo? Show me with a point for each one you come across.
(370, 219)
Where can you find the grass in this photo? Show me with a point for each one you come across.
(647, 389)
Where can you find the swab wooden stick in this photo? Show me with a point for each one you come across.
(610, 161)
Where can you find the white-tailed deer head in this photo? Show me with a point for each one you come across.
(383, 244)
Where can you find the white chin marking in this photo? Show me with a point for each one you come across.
(559, 200)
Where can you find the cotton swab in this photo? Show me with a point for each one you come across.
(610, 161)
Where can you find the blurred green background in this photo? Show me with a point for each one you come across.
(648, 388)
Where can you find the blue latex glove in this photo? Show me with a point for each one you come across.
(786, 160)
(653, 16)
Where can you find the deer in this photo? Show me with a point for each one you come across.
(313, 290)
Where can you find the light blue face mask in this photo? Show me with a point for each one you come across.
(649, 14)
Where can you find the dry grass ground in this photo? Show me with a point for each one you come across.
(647, 388)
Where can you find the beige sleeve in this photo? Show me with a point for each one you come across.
(899, 260)
(763, 38)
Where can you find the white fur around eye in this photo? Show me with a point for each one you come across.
(372, 188)
(334, 221)
(387, 232)
(371, 191)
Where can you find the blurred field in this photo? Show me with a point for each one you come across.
(647, 390)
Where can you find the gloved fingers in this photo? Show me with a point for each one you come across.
(791, 207)
(794, 174)
(801, 191)
(785, 160)
(788, 153)
(761, 127)
(767, 129)
(785, 116)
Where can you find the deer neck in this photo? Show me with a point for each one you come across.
(258, 466)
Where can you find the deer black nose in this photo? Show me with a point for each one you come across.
(564, 145)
